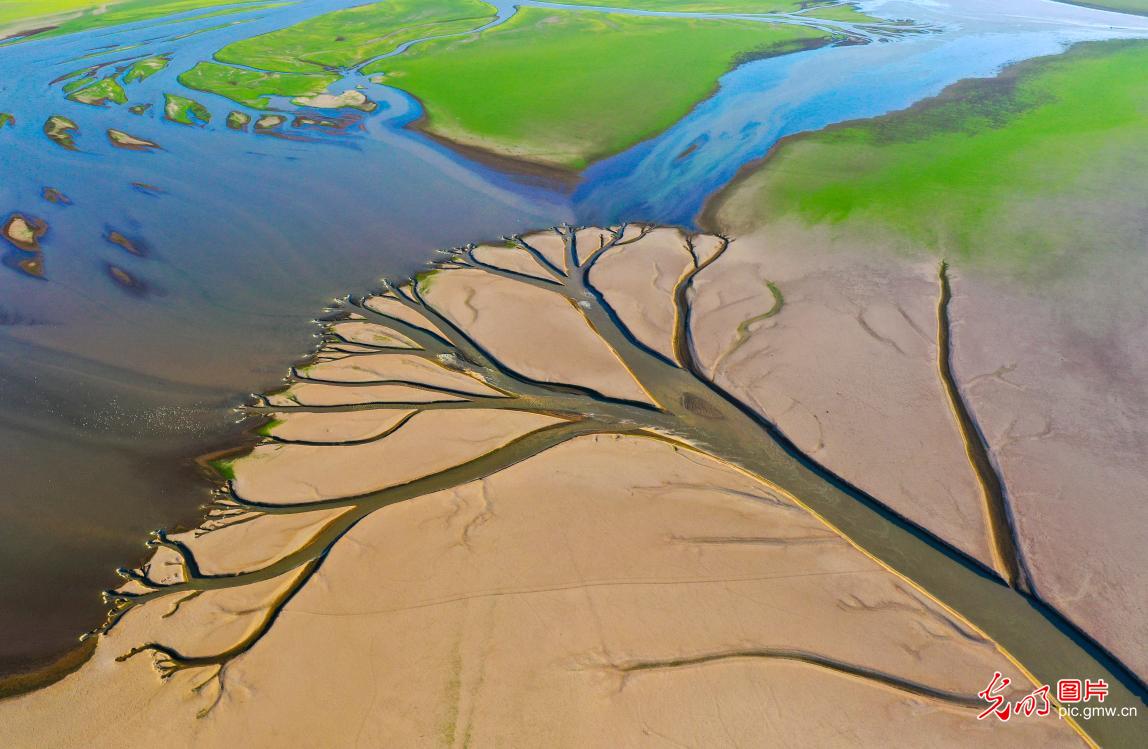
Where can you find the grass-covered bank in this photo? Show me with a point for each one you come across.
(56, 17)
(300, 60)
(586, 85)
(1136, 7)
(1040, 165)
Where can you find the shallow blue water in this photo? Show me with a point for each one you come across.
(762, 102)
(105, 392)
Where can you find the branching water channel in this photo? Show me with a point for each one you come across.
(682, 406)
(109, 389)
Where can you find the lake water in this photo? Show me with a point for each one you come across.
(107, 393)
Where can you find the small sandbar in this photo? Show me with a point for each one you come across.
(351, 98)
(54, 196)
(25, 231)
(120, 139)
(269, 123)
(62, 131)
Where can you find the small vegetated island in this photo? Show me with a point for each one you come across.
(589, 81)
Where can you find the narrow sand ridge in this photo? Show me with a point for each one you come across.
(506, 505)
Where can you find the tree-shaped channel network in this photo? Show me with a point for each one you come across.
(514, 349)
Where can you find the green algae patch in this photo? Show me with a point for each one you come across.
(225, 467)
(253, 88)
(586, 84)
(1032, 170)
(345, 38)
(141, 70)
(100, 93)
(269, 428)
(185, 111)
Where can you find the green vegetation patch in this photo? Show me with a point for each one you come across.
(1038, 166)
(238, 120)
(1136, 7)
(141, 70)
(100, 93)
(269, 428)
(225, 467)
(829, 9)
(78, 80)
(837, 12)
(185, 111)
(253, 88)
(348, 37)
(57, 17)
(584, 84)
(61, 131)
(14, 11)
(700, 6)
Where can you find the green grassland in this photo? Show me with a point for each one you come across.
(836, 10)
(100, 92)
(253, 88)
(185, 111)
(16, 11)
(68, 16)
(1136, 7)
(346, 38)
(299, 60)
(700, 6)
(1031, 170)
(141, 70)
(585, 85)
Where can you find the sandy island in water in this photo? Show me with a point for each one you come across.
(535, 497)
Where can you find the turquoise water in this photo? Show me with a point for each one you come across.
(106, 392)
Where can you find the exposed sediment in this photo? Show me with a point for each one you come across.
(1006, 550)
(62, 131)
(590, 506)
(120, 139)
(24, 231)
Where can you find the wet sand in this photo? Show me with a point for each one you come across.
(465, 558)
(111, 397)
(1049, 357)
